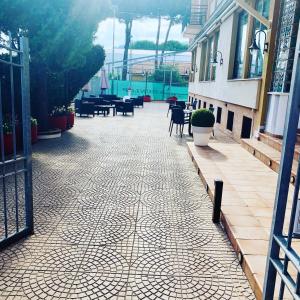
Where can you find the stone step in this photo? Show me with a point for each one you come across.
(276, 143)
(268, 154)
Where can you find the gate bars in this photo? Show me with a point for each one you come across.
(279, 241)
(16, 221)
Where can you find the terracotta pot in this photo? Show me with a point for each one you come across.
(59, 122)
(147, 98)
(71, 120)
(8, 144)
(34, 134)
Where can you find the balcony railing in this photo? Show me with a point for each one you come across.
(198, 14)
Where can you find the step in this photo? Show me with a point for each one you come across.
(276, 143)
(268, 155)
(247, 202)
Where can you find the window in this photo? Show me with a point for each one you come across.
(230, 118)
(219, 115)
(213, 54)
(240, 45)
(257, 60)
(203, 61)
(209, 48)
(204, 104)
(192, 75)
(246, 128)
(199, 104)
(210, 57)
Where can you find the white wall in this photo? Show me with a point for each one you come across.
(241, 92)
(276, 113)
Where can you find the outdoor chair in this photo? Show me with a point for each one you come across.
(139, 101)
(181, 104)
(175, 103)
(172, 100)
(125, 107)
(109, 98)
(178, 118)
(84, 108)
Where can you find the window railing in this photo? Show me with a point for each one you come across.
(198, 14)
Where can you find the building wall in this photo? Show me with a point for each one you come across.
(239, 113)
(244, 92)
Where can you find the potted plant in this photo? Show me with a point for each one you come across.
(58, 118)
(8, 138)
(34, 131)
(71, 117)
(203, 121)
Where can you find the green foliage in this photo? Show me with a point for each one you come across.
(61, 35)
(203, 118)
(34, 122)
(143, 45)
(175, 46)
(7, 128)
(169, 46)
(163, 74)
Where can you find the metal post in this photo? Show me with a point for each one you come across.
(113, 51)
(171, 79)
(217, 201)
(26, 116)
(146, 89)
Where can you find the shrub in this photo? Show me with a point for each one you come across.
(7, 128)
(203, 118)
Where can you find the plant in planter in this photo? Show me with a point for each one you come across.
(58, 118)
(71, 117)
(34, 131)
(203, 121)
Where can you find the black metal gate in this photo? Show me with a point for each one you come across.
(16, 209)
(283, 257)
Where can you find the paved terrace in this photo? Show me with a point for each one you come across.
(120, 213)
(248, 201)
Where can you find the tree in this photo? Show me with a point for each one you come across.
(174, 46)
(61, 37)
(177, 12)
(143, 45)
(169, 46)
(168, 74)
(127, 11)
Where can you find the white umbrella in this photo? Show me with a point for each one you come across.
(104, 85)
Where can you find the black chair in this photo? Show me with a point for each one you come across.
(84, 108)
(109, 98)
(181, 104)
(139, 101)
(178, 118)
(125, 107)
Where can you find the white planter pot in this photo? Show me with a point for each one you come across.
(202, 135)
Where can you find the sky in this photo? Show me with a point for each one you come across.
(144, 29)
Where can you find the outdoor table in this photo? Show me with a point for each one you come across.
(189, 113)
(106, 108)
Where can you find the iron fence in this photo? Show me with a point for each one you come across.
(16, 201)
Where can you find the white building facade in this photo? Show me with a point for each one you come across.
(225, 75)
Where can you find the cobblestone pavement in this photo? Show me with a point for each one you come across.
(120, 213)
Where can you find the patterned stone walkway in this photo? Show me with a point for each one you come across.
(120, 213)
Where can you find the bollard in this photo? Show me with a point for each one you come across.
(217, 201)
